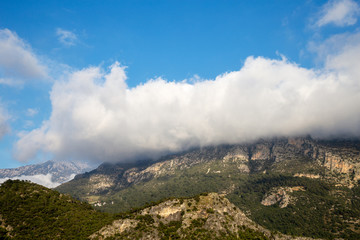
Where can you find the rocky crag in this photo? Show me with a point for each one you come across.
(208, 216)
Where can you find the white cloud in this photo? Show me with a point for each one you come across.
(31, 112)
(346, 57)
(66, 37)
(4, 127)
(339, 12)
(18, 63)
(28, 124)
(95, 116)
(340, 52)
(11, 82)
(42, 179)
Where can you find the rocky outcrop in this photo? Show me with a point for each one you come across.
(100, 182)
(210, 213)
(281, 196)
(116, 228)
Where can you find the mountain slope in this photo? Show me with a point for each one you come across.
(31, 211)
(206, 216)
(300, 206)
(327, 171)
(218, 169)
(49, 174)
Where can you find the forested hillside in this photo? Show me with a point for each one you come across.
(31, 211)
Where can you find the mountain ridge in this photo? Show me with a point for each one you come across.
(322, 159)
(206, 216)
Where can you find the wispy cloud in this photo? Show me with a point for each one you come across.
(30, 112)
(4, 126)
(28, 124)
(339, 12)
(18, 63)
(11, 82)
(66, 37)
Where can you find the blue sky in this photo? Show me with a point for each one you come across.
(173, 51)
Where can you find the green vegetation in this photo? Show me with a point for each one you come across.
(30, 211)
(169, 231)
(3, 234)
(247, 233)
(35, 212)
(196, 231)
(210, 210)
(322, 210)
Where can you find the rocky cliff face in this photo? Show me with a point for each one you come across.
(337, 161)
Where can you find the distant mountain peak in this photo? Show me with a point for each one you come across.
(50, 173)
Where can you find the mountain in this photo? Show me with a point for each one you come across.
(49, 174)
(219, 168)
(31, 211)
(206, 216)
(283, 184)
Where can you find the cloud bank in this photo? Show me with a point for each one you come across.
(18, 63)
(339, 12)
(96, 116)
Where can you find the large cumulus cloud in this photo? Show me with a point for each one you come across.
(95, 116)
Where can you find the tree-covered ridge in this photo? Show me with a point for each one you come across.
(30, 211)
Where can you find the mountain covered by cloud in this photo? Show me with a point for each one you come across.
(96, 116)
(49, 174)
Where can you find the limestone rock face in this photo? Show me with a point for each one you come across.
(117, 227)
(281, 195)
(100, 182)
